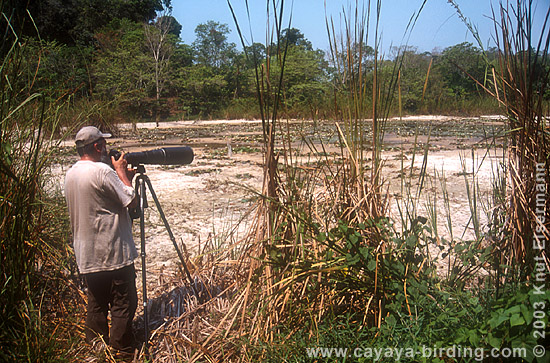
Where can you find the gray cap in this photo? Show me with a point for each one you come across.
(88, 135)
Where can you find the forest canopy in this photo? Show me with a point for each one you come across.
(128, 57)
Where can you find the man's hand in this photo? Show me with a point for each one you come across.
(130, 173)
(121, 168)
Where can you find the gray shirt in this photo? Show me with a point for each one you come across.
(102, 230)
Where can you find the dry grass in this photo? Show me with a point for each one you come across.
(519, 83)
(285, 257)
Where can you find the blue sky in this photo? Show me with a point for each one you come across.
(438, 25)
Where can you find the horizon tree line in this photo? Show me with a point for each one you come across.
(129, 59)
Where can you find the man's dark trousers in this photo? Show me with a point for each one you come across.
(114, 290)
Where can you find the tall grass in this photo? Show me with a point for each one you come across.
(520, 85)
(27, 122)
(521, 81)
(357, 97)
(319, 243)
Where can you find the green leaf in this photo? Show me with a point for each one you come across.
(390, 320)
(497, 319)
(478, 309)
(494, 341)
(352, 259)
(343, 228)
(7, 149)
(527, 314)
(513, 310)
(474, 338)
(423, 288)
(364, 251)
(371, 265)
(411, 241)
(516, 320)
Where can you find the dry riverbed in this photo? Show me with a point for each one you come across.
(207, 202)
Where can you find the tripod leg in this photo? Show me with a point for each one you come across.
(140, 183)
(172, 238)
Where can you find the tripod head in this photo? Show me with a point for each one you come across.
(140, 169)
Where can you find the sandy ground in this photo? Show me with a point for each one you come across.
(206, 202)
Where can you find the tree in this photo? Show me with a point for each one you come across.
(204, 92)
(460, 64)
(256, 54)
(122, 70)
(305, 82)
(346, 65)
(211, 46)
(180, 61)
(160, 42)
(61, 69)
(295, 37)
(174, 27)
(414, 70)
(76, 21)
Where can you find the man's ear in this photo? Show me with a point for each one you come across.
(98, 146)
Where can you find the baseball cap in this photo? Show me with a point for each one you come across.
(88, 135)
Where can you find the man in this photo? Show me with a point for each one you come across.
(98, 199)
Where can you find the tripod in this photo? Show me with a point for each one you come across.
(142, 183)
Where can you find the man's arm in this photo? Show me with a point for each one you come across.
(125, 175)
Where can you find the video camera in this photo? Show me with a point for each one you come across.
(179, 155)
